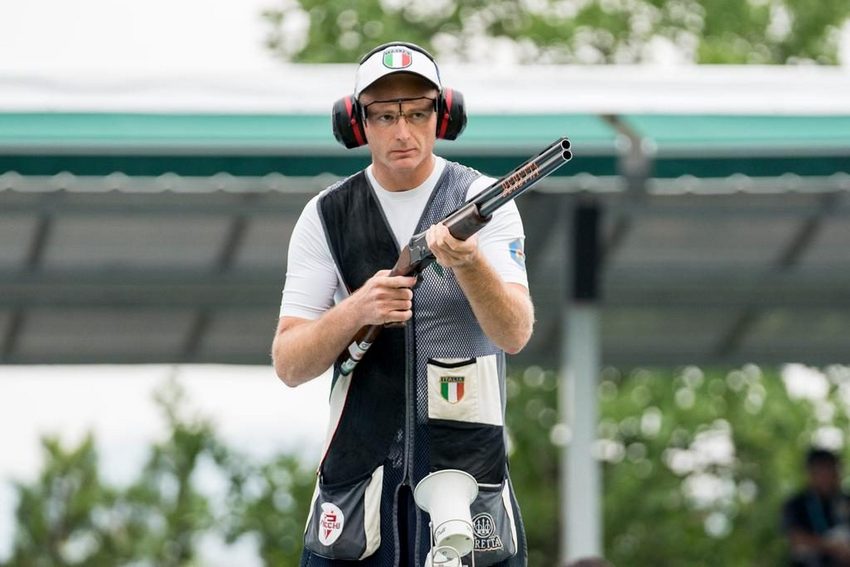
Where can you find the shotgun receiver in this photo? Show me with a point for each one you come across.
(462, 223)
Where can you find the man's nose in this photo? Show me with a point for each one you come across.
(402, 127)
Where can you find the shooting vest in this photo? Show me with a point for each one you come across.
(427, 396)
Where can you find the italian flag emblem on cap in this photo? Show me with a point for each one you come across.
(397, 58)
(451, 388)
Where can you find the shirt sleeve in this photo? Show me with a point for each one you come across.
(502, 240)
(312, 281)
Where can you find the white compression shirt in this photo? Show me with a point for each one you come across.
(312, 283)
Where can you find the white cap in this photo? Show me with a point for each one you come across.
(395, 58)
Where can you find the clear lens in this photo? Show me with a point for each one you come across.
(386, 113)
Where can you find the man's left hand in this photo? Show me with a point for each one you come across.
(449, 251)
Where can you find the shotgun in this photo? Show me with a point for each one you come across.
(462, 223)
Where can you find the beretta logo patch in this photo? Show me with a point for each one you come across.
(486, 538)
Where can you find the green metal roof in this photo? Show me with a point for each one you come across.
(163, 131)
(501, 132)
(290, 132)
(250, 145)
(751, 145)
(302, 144)
(485, 131)
(711, 133)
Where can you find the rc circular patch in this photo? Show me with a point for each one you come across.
(331, 523)
(483, 525)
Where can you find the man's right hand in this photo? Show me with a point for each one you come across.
(304, 348)
(385, 299)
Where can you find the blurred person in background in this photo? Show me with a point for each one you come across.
(816, 520)
(430, 393)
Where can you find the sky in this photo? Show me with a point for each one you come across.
(162, 35)
(204, 36)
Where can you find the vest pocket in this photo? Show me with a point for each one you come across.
(465, 417)
(476, 449)
(345, 518)
(465, 390)
(493, 526)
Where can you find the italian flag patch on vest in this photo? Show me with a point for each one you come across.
(451, 388)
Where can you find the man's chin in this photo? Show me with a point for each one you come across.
(406, 162)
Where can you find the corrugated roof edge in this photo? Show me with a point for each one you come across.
(171, 182)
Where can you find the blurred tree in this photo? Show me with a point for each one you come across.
(534, 459)
(270, 503)
(696, 465)
(556, 31)
(56, 515)
(69, 516)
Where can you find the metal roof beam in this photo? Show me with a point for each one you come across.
(634, 164)
(10, 336)
(166, 288)
(545, 234)
(734, 337)
(260, 357)
(229, 250)
(195, 335)
(140, 290)
(813, 289)
(32, 263)
(807, 233)
(613, 356)
(170, 206)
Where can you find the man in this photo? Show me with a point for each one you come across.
(816, 519)
(430, 393)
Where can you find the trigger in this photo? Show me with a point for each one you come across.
(418, 280)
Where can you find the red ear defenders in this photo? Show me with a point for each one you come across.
(347, 114)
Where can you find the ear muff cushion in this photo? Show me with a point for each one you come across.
(451, 114)
(347, 125)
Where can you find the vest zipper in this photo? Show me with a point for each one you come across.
(411, 416)
(409, 401)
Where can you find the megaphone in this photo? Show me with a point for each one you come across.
(446, 495)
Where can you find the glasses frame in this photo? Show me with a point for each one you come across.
(400, 112)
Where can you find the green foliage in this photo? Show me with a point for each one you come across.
(269, 501)
(696, 465)
(57, 514)
(69, 516)
(593, 31)
(534, 460)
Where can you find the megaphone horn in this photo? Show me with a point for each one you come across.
(446, 496)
